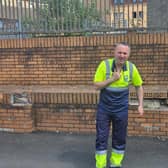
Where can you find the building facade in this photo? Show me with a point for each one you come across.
(157, 14)
(129, 14)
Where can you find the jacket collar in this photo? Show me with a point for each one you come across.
(124, 67)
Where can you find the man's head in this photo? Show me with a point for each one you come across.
(122, 52)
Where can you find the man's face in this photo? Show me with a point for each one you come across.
(121, 54)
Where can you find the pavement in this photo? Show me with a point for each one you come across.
(57, 150)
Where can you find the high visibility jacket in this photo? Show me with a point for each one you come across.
(114, 98)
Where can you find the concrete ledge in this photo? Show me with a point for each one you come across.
(72, 94)
(73, 109)
(155, 97)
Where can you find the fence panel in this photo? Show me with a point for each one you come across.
(20, 18)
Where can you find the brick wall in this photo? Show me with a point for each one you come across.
(73, 60)
(74, 111)
(57, 73)
(16, 119)
(154, 123)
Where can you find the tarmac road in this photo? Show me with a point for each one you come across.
(54, 150)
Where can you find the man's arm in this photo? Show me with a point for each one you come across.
(140, 93)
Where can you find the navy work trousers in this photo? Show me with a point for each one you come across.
(119, 122)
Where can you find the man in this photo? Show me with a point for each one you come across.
(113, 77)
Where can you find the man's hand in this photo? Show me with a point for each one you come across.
(103, 84)
(140, 110)
(116, 75)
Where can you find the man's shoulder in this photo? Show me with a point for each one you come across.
(131, 63)
(108, 60)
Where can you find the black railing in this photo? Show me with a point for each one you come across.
(27, 18)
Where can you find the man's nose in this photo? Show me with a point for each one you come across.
(122, 54)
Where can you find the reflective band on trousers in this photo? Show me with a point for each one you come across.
(101, 160)
(116, 158)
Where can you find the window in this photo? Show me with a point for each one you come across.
(134, 15)
(1, 24)
(140, 14)
(119, 16)
(136, 1)
(118, 20)
(125, 24)
(118, 1)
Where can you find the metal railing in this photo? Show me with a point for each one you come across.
(25, 17)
